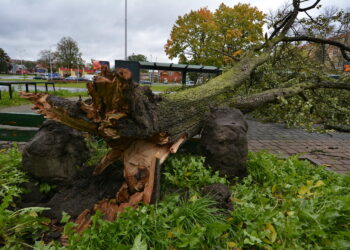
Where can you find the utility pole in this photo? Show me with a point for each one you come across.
(50, 65)
(126, 30)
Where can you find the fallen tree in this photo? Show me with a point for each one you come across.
(143, 128)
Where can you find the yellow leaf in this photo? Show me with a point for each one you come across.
(233, 199)
(33, 214)
(225, 235)
(290, 213)
(309, 183)
(319, 183)
(231, 244)
(273, 234)
(273, 189)
(229, 219)
(194, 198)
(303, 190)
(170, 235)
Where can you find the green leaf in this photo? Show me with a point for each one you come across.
(139, 244)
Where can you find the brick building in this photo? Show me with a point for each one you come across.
(170, 76)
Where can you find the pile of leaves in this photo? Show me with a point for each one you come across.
(282, 203)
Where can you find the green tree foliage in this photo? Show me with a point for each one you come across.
(67, 53)
(203, 37)
(4, 61)
(137, 58)
(300, 62)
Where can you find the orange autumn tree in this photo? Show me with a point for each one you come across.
(203, 37)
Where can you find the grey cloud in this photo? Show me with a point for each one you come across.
(98, 26)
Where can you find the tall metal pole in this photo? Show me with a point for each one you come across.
(126, 30)
(50, 64)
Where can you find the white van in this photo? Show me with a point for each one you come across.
(89, 77)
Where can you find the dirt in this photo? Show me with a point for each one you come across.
(84, 191)
(220, 193)
(224, 142)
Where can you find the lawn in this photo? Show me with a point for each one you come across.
(6, 101)
(17, 100)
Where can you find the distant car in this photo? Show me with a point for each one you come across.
(190, 83)
(89, 77)
(71, 78)
(145, 82)
(334, 76)
(38, 77)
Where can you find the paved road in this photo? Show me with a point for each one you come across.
(331, 149)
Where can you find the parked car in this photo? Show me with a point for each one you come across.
(145, 82)
(71, 78)
(38, 77)
(89, 77)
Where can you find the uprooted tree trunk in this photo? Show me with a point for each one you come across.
(143, 128)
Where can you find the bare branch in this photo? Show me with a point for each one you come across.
(310, 7)
(341, 46)
(249, 103)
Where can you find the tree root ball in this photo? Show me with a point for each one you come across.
(224, 142)
(54, 153)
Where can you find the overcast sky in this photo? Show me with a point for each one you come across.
(28, 26)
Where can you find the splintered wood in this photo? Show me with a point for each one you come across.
(140, 161)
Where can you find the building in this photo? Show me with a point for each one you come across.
(74, 72)
(329, 55)
(335, 55)
(170, 76)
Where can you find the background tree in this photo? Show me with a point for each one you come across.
(45, 56)
(203, 37)
(67, 53)
(137, 58)
(5, 62)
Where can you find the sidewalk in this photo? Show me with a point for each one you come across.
(330, 149)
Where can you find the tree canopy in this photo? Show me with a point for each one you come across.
(137, 58)
(4, 61)
(45, 56)
(68, 54)
(204, 37)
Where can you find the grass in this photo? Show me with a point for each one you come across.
(281, 204)
(160, 88)
(17, 100)
(21, 80)
(69, 85)
(18, 227)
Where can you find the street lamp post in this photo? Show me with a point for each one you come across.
(50, 64)
(126, 30)
(50, 61)
(21, 57)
